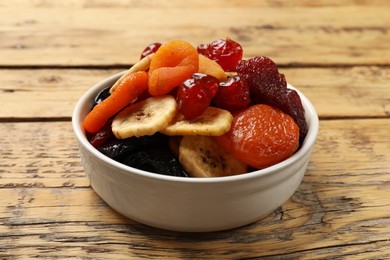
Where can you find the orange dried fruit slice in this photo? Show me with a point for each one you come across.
(172, 64)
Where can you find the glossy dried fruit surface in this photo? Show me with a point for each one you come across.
(268, 86)
(261, 136)
(195, 94)
(155, 159)
(101, 137)
(226, 53)
(232, 94)
(151, 48)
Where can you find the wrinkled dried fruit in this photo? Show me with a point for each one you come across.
(171, 65)
(268, 86)
(157, 160)
(104, 135)
(226, 53)
(118, 148)
(261, 136)
(151, 48)
(195, 94)
(232, 94)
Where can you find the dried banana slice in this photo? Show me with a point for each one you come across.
(145, 117)
(142, 65)
(201, 156)
(213, 122)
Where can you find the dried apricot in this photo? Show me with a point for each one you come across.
(127, 92)
(261, 136)
(268, 86)
(172, 64)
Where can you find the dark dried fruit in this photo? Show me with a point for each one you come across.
(102, 95)
(157, 160)
(149, 153)
(104, 135)
(151, 48)
(226, 53)
(268, 86)
(195, 94)
(118, 148)
(232, 94)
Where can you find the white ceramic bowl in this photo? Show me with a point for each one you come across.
(191, 204)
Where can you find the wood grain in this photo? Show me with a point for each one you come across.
(52, 212)
(84, 33)
(359, 91)
(336, 52)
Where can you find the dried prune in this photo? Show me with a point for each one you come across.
(148, 153)
(104, 135)
(157, 160)
(117, 148)
(102, 95)
(268, 86)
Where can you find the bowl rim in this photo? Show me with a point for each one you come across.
(308, 143)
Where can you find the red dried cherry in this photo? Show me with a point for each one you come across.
(232, 94)
(195, 94)
(226, 53)
(151, 48)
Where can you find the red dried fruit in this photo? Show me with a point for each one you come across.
(102, 136)
(232, 94)
(226, 53)
(151, 48)
(268, 86)
(195, 94)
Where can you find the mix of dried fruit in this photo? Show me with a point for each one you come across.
(198, 112)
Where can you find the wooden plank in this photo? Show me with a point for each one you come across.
(78, 35)
(335, 212)
(359, 91)
(335, 92)
(45, 93)
(189, 4)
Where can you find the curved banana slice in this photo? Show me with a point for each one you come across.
(213, 122)
(145, 117)
(142, 65)
(201, 156)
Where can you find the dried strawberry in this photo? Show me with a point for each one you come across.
(268, 86)
(232, 94)
(195, 94)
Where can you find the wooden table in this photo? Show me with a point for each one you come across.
(336, 52)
